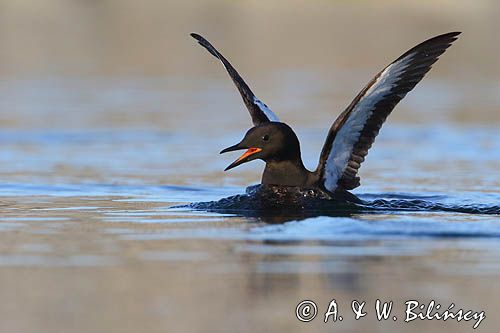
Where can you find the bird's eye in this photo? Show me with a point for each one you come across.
(265, 137)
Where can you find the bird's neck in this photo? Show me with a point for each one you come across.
(287, 173)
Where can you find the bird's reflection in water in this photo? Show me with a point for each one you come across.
(279, 217)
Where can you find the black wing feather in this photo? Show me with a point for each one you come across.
(375, 102)
(259, 112)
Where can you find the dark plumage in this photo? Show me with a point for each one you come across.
(351, 135)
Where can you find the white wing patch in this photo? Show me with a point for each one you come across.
(263, 107)
(349, 133)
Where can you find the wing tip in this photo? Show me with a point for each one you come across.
(196, 36)
(439, 42)
(199, 38)
(447, 38)
(206, 44)
(450, 36)
(452, 33)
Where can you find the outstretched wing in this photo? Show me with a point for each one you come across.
(354, 131)
(259, 111)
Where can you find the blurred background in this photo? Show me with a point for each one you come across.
(110, 113)
(106, 56)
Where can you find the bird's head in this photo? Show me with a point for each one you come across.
(270, 141)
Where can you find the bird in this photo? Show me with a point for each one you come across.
(350, 136)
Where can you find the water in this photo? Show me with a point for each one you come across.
(88, 230)
(98, 144)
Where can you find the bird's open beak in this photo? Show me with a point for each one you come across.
(243, 158)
